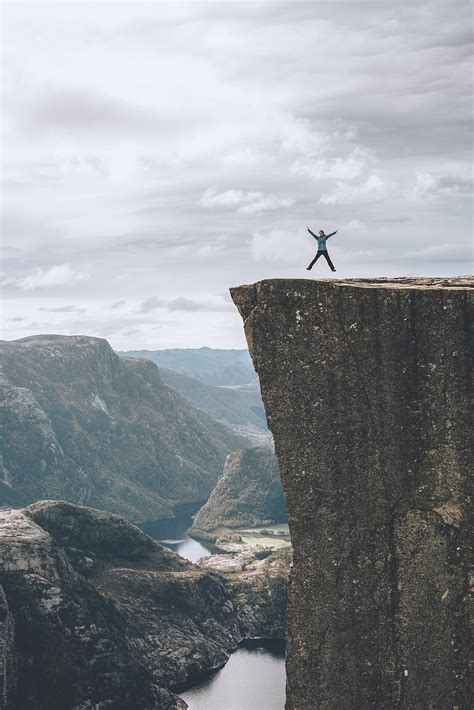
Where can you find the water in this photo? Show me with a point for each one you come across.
(252, 679)
(188, 548)
(254, 676)
(171, 533)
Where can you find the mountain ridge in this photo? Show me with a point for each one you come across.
(238, 406)
(82, 424)
(212, 366)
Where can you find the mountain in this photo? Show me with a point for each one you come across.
(80, 423)
(366, 384)
(208, 365)
(95, 614)
(238, 406)
(249, 493)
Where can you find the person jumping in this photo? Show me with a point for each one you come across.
(322, 249)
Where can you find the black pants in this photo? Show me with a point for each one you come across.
(326, 256)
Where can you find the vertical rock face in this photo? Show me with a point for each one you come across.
(8, 674)
(365, 388)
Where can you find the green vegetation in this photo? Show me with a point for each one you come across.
(249, 493)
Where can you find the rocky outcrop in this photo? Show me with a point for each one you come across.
(259, 583)
(80, 423)
(249, 493)
(365, 389)
(64, 645)
(94, 613)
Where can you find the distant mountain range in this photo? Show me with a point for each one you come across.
(222, 383)
(208, 365)
(82, 424)
(239, 406)
(249, 492)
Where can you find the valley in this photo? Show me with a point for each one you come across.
(108, 435)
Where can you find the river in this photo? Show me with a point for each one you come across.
(171, 533)
(254, 676)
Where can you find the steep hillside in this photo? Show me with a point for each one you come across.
(366, 388)
(249, 492)
(209, 365)
(238, 406)
(82, 424)
(95, 614)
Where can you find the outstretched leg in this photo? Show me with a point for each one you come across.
(328, 259)
(308, 268)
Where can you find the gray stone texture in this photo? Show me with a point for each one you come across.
(365, 385)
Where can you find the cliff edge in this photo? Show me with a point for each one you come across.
(365, 386)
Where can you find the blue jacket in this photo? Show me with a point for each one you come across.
(321, 240)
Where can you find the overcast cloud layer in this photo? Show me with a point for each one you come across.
(155, 154)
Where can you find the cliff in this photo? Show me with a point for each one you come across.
(249, 493)
(82, 424)
(259, 588)
(94, 613)
(365, 386)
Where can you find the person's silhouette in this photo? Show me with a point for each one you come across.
(322, 249)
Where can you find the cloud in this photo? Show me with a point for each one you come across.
(64, 309)
(183, 304)
(186, 304)
(355, 226)
(276, 245)
(430, 187)
(86, 111)
(149, 305)
(57, 275)
(340, 167)
(213, 246)
(171, 150)
(246, 202)
(372, 189)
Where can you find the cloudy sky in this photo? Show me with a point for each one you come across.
(156, 153)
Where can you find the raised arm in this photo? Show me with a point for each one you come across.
(331, 235)
(312, 233)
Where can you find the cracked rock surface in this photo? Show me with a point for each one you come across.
(365, 386)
